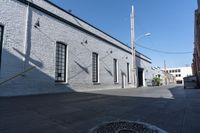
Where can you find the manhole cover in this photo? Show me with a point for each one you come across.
(126, 127)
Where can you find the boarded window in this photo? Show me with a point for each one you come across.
(60, 74)
(95, 69)
(115, 70)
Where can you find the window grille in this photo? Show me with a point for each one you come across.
(60, 75)
(115, 71)
(128, 72)
(95, 69)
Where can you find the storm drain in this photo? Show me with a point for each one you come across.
(126, 127)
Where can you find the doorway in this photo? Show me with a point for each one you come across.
(140, 77)
(123, 80)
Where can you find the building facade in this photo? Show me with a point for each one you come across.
(45, 49)
(143, 70)
(179, 73)
(165, 77)
(196, 53)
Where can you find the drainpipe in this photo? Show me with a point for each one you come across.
(26, 35)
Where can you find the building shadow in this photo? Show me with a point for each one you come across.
(38, 80)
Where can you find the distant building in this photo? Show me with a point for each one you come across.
(166, 78)
(179, 73)
(196, 54)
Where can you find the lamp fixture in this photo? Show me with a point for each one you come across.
(84, 42)
(109, 51)
(37, 24)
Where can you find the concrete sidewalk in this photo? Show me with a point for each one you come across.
(170, 108)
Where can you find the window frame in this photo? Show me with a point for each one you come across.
(65, 63)
(96, 79)
(115, 71)
(128, 73)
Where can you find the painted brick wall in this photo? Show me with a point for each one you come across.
(145, 64)
(13, 19)
(41, 48)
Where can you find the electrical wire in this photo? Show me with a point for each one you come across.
(161, 51)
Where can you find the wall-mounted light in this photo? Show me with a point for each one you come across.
(84, 42)
(125, 57)
(37, 24)
(109, 51)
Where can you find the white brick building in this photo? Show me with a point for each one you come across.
(45, 49)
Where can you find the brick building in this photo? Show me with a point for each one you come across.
(45, 49)
(196, 54)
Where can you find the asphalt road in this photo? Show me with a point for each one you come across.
(170, 108)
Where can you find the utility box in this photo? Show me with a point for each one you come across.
(190, 82)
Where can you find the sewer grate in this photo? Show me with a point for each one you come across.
(126, 127)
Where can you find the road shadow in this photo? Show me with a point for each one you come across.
(78, 112)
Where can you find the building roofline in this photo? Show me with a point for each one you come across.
(143, 55)
(143, 59)
(53, 4)
(80, 28)
(37, 7)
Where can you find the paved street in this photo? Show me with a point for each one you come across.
(170, 108)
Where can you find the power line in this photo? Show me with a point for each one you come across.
(161, 51)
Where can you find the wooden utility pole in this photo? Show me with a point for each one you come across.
(134, 76)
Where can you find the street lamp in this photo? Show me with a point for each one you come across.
(143, 35)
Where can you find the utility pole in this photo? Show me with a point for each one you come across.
(134, 77)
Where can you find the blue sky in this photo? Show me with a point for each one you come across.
(170, 22)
